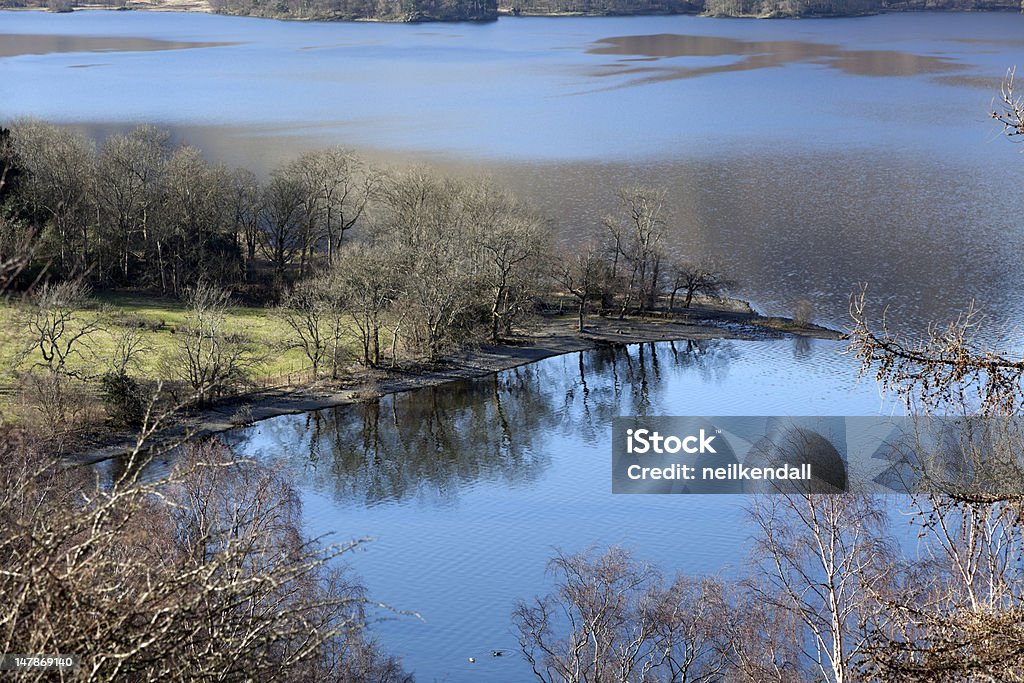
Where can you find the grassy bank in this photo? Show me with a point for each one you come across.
(158, 321)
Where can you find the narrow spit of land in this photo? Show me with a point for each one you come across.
(549, 336)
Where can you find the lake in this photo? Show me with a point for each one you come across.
(808, 156)
(469, 488)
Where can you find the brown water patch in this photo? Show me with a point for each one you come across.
(967, 81)
(759, 55)
(13, 45)
(996, 42)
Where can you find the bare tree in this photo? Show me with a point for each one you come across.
(282, 222)
(948, 368)
(369, 283)
(428, 220)
(511, 240)
(210, 357)
(704, 278)
(610, 619)
(1009, 109)
(55, 189)
(952, 611)
(635, 236)
(339, 187)
(821, 553)
(129, 175)
(245, 202)
(311, 312)
(584, 276)
(57, 342)
(57, 328)
(197, 239)
(764, 641)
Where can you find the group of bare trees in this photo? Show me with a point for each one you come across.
(139, 211)
(612, 618)
(202, 573)
(632, 267)
(387, 10)
(439, 263)
(447, 262)
(831, 595)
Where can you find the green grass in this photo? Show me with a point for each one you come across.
(158, 320)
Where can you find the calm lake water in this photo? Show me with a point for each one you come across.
(469, 488)
(809, 156)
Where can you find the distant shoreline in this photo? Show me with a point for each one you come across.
(204, 6)
(552, 336)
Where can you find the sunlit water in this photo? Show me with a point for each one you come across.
(809, 157)
(468, 488)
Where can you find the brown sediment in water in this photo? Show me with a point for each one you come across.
(552, 336)
(986, 83)
(751, 55)
(15, 45)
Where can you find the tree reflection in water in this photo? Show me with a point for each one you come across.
(433, 443)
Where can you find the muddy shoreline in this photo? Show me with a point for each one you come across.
(550, 336)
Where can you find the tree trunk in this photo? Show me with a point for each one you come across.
(376, 345)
